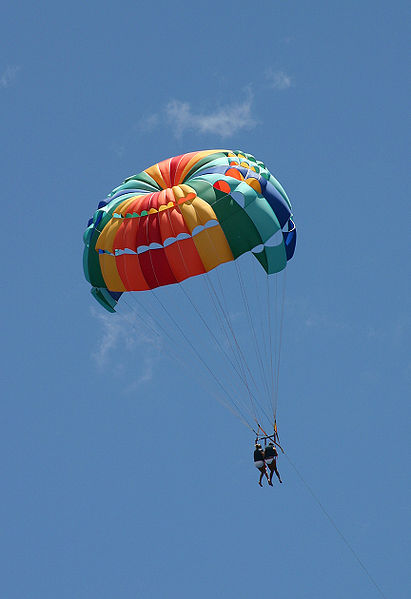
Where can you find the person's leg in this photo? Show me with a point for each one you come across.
(271, 467)
(263, 471)
(276, 471)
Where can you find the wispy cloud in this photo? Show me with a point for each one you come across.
(149, 122)
(278, 80)
(112, 331)
(9, 76)
(224, 121)
(324, 321)
(121, 332)
(315, 319)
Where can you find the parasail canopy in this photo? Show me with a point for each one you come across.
(183, 217)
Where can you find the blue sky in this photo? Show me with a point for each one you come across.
(121, 475)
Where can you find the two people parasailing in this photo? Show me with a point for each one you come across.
(266, 457)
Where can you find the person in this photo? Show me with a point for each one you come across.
(260, 463)
(271, 455)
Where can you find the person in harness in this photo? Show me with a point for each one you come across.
(260, 463)
(271, 455)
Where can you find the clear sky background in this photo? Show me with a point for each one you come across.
(120, 477)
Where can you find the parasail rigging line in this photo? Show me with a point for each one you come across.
(263, 328)
(177, 357)
(271, 347)
(280, 343)
(145, 322)
(241, 358)
(217, 344)
(233, 408)
(221, 349)
(222, 324)
(200, 358)
(334, 525)
(233, 348)
(251, 324)
(226, 313)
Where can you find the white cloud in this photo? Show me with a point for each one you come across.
(125, 331)
(278, 80)
(147, 370)
(148, 123)
(223, 121)
(9, 76)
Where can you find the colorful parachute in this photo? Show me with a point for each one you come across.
(183, 217)
(177, 221)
